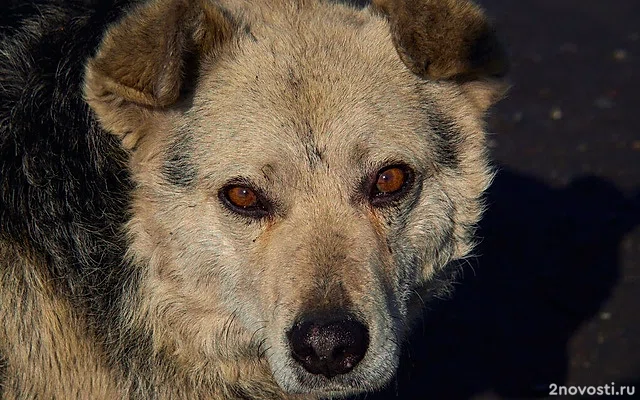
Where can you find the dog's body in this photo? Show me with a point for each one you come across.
(231, 199)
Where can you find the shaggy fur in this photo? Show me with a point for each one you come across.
(123, 272)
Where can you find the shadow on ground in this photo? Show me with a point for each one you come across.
(548, 260)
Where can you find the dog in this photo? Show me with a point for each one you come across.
(229, 199)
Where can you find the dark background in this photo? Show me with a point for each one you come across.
(554, 294)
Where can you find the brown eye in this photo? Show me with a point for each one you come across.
(390, 180)
(389, 184)
(242, 196)
(243, 199)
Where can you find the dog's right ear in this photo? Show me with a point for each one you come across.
(449, 40)
(139, 66)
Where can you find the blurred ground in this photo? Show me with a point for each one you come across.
(574, 112)
(554, 296)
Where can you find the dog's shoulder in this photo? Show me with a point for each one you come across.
(59, 172)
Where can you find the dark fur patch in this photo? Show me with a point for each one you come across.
(312, 151)
(178, 168)
(445, 139)
(64, 185)
(295, 82)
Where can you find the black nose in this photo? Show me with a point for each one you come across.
(329, 344)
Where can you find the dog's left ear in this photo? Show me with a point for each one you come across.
(141, 64)
(449, 40)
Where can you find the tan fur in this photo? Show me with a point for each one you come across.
(49, 354)
(305, 99)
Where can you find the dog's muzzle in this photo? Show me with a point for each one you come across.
(328, 344)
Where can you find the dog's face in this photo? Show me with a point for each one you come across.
(290, 204)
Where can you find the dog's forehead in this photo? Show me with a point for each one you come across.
(311, 92)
